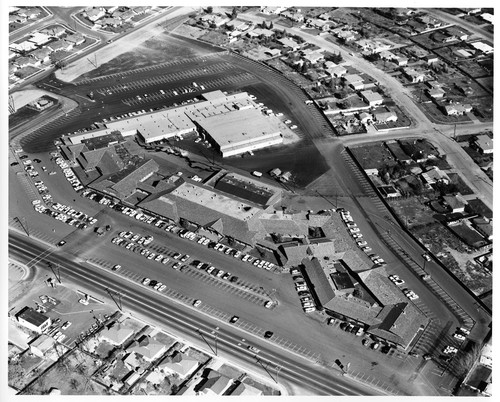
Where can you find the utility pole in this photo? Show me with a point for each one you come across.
(56, 272)
(265, 368)
(25, 228)
(112, 294)
(210, 346)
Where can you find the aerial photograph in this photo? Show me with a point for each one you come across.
(210, 200)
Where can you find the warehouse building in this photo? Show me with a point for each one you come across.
(232, 123)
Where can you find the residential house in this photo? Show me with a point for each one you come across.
(365, 117)
(431, 58)
(484, 144)
(419, 150)
(215, 19)
(466, 54)
(141, 9)
(214, 384)
(289, 43)
(14, 18)
(25, 46)
(246, 390)
(60, 45)
(436, 93)
(434, 175)
(482, 47)
(95, 13)
(296, 16)
(116, 334)
(413, 75)
(33, 320)
(338, 71)
(237, 25)
(313, 56)
(111, 21)
(257, 32)
(400, 60)
(22, 62)
(455, 203)
(43, 346)
(355, 81)
(484, 227)
(372, 98)
(346, 36)
(180, 364)
(42, 54)
(55, 31)
(457, 109)
(457, 33)
(127, 16)
(39, 38)
(147, 347)
(385, 117)
(29, 12)
(75, 39)
(272, 9)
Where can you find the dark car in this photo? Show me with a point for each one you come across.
(233, 319)
(23, 156)
(61, 243)
(14, 164)
(37, 160)
(268, 334)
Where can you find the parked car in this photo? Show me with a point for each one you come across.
(234, 319)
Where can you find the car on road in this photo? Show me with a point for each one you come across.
(197, 303)
(426, 256)
(253, 349)
(234, 319)
(116, 267)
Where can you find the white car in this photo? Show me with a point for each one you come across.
(268, 304)
(459, 336)
(396, 280)
(449, 350)
(410, 294)
(196, 303)
(426, 256)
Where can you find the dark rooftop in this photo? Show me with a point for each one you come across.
(32, 316)
(102, 141)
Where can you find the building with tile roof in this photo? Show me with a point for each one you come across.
(243, 389)
(147, 347)
(180, 364)
(214, 384)
(117, 334)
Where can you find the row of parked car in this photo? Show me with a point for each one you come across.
(69, 174)
(68, 219)
(355, 232)
(306, 300)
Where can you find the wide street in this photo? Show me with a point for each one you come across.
(86, 259)
(151, 305)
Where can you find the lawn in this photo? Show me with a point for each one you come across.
(71, 375)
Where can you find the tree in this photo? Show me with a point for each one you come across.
(234, 13)
(270, 25)
(209, 10)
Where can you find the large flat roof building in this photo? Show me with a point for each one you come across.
(231, 122)
(241, 131)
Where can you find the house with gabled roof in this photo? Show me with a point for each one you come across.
(355, 81)
(116, 334)
(147, 347)
(214, 384)
(456, 203)
(179, 363)
(484, 144)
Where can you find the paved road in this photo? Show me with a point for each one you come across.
(318, 380)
